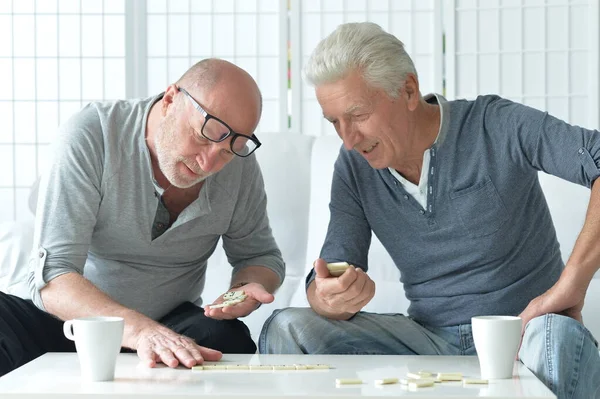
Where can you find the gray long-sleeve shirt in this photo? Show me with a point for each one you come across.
(486, 243)
(96, 213)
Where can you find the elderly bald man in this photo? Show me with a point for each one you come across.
(132, 206)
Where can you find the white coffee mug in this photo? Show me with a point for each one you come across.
(497, 341)
(98, 342)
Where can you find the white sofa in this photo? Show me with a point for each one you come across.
(297, 170)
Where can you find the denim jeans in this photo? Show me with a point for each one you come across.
(560, 351)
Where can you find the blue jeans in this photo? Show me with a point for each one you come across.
(560, 351)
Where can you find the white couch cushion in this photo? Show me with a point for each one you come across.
(285, 163)
(16, 239)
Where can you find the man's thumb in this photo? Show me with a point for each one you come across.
(320, 267)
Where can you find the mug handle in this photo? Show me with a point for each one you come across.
(68, 330)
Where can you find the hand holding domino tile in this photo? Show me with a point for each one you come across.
(336, 269)
(238, 302)
(340, 289)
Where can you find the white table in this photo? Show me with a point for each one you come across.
(56, 375)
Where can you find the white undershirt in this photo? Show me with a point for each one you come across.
(420, 192)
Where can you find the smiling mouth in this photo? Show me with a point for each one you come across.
(371, 148)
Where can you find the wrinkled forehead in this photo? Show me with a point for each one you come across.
(344, 97)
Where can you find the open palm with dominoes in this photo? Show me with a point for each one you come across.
(239, 302)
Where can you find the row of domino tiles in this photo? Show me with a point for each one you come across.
(221, 367)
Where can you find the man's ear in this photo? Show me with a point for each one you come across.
(168, 98)
(411, 91)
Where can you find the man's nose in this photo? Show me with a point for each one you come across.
(209, 159)
(350, 135)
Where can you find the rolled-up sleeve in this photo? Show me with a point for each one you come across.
(545, 142)
(69, 197)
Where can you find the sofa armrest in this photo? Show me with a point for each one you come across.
(16, 239)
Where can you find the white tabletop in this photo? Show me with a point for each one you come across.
(56, 375)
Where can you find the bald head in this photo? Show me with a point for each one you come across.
(225, 90)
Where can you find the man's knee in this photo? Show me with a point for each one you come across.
(550, 339)
(236, 338)
(563, 354)
(227, 336)
(552, 328)
(294, 330)
(16, 345)
(282, 321)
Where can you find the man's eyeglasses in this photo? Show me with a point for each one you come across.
(217, 131)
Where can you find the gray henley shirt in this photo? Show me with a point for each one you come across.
(97, 210)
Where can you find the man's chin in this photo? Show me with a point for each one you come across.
(187, 183)
(375, 163)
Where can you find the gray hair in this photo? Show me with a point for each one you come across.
(365, 47)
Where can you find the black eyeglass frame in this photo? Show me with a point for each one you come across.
(233, 134)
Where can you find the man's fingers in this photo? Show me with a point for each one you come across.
(217, 314)
(523, 323)
(202, 354)
(358, 306)
(196, 354)
(147, 356)
(341, 293)
(186, 351)
(233, 312)
(210, 355)
(184, 356)
(320, 267)
(262, 296)
(348, 278)
(364, 296)
(358, 286)
(173, 349)
(341, 284)
(166, 356)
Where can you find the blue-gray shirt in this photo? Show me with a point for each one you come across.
(486, 243)
(98, 207)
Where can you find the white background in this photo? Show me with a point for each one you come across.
(57, 55)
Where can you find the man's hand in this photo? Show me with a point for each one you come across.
(343, 295)
(566, 297)
(256, 295)
(158, 344)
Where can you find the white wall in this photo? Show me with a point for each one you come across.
(418, 24)
(55, 56)
(250, 33)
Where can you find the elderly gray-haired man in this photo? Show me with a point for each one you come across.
(451, 189)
